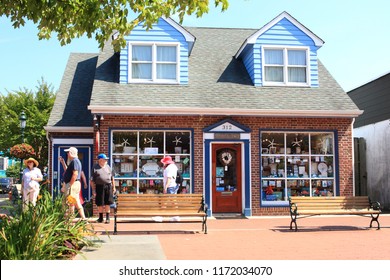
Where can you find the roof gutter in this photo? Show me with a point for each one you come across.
(144, 110)
(67, 129)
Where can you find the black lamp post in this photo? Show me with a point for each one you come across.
(22, 120)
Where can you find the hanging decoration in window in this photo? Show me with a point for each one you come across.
(272, 146)
(297, 145)
(325, 143)
(177, 140)
(125, 142)
(150, 141)
(296, 142)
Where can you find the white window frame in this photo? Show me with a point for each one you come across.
(139, 154)
(285, 66)
(310, 178)
(154, 78)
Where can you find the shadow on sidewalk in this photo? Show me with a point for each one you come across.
(321, 228)
(151, 232)
(228, 216)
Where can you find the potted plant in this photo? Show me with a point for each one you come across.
(22, 151)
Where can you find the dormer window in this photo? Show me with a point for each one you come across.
(285, 66)
(154, 62)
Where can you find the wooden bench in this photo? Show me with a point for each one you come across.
(135, 208)
(302, 207)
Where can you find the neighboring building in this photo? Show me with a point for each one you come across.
(372, 130)
(3, 166)
(250, 116)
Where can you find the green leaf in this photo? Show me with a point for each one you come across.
(75, 18)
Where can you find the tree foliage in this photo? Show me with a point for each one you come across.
(37, 107)
(99, 18)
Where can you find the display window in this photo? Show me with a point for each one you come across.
(296, 164)
(136, 158)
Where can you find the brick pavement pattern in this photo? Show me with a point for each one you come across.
(269, 238)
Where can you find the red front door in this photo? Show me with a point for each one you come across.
(226, 175)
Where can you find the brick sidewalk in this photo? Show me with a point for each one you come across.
(269, 238)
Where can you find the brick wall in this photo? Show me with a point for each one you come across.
(198, 123)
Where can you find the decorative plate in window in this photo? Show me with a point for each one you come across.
(150, 168)
(323, 168)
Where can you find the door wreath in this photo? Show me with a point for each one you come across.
(226, 158)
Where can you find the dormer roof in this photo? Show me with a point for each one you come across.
(252, 39)
(187, 35)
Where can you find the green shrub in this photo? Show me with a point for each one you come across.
(13, 171)
(43, 232)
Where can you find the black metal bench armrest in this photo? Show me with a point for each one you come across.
(375, 205)
(203, 207)
(293, 208)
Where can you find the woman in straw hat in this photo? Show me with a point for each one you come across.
(32, 175)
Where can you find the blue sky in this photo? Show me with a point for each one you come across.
(356, 35)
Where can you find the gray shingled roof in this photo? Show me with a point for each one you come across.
(73, 96)
(216, 81)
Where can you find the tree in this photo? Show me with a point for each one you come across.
(37, 107)
(13, 171)
(74, 18)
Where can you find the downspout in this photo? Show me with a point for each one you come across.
(49, 170)
(353, 159)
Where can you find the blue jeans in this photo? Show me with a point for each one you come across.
(173, 190)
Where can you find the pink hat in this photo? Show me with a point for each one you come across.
(167, 160)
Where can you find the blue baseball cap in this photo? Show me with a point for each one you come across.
(102, 156)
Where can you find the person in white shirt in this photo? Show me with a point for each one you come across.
(170, 173)
(32, 175)
(169, 181)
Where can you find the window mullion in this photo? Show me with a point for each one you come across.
(154, 62)
(307, 66)
(285, 66)
(177, 63)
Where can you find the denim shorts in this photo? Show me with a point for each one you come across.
(173, 190)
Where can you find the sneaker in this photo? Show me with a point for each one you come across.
(107, 221)
(99, 220)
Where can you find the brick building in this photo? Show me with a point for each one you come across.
(250, 117)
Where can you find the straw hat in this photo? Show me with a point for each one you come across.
(31, 159)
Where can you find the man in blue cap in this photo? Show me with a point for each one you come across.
(103, 187)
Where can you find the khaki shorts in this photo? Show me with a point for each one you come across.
(73, 191)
